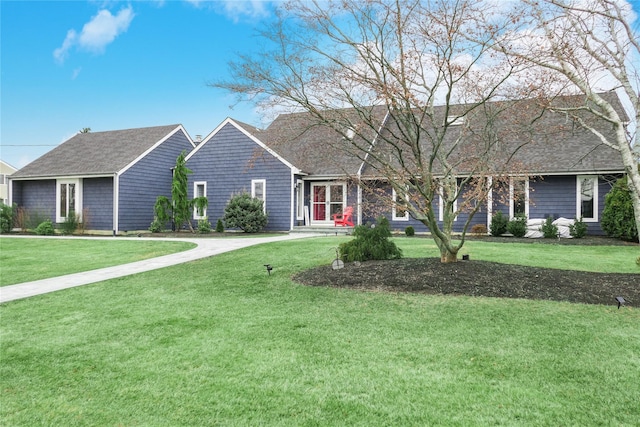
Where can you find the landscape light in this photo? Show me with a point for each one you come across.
(621, 301)
(269, 268)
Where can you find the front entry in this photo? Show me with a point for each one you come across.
(327, 199)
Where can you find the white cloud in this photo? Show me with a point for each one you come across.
(236, 9)
(96, 34)
(61, 53)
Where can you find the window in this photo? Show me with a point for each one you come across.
(399, 211)
(199, 190)
(519, 197)
(68, 199)
(2, 179)
(299, 200)
(587, 198)
(259, 191)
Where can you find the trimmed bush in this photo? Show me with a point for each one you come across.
(246, 213)
(549, 229)
(518, 225)
(156, 226)
(6, 218)
(409, 231)
(45, 228)
(219, 226)
(578, 229)
(498, 224)
(370, 243)
(204, 226)
(617, 217)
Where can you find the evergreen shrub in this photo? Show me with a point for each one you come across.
(498, 224)
(246, 213)
(204, 226)
(618, 219)
(6, 218)
(578, 229)
(518, 225)
(370, 243)
(45, 228)
(549, 229)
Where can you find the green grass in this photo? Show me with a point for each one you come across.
(604, 259)
(219, 342)
(24, 259)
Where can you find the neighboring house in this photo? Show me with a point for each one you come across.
(5, 170)
(305, 175)
(110, 179)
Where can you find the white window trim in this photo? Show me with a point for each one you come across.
(526, 196)
(195, 194)
(299, 200)
(78, 202)
(394, 216)
(264, 191)
(579, 179)
(329, 219)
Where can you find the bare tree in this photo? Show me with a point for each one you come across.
(340, 62)
(585, 46)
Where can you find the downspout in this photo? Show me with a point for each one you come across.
(292, 205)
(116, 202)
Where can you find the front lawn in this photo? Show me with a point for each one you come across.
(220, 342)
(27, 259)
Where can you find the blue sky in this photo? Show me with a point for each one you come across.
(107, 65)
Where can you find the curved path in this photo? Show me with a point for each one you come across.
(206, 247)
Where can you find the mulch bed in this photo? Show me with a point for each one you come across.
(480, 278)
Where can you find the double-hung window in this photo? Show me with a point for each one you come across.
(259, 191)
(68, 198)
(199, 190)
(587, 198)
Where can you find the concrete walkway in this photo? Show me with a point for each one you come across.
(206, 247)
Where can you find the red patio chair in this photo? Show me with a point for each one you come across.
(344, 218)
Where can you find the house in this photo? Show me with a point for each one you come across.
(301, 179)
(110, 179)
(5, 170)
(306, 172)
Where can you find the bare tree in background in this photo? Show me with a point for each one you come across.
(336, 60)
(585, 46)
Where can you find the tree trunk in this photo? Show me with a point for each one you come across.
(447, 252)
(447, 257)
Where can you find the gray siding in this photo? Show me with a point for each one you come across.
(228, 162)
(97, 201)
(149, 178)
(554, 196)
(38, 198)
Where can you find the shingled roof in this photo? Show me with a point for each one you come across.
(96, 153)
(552, 145)
(318, 148)
(531, 140)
